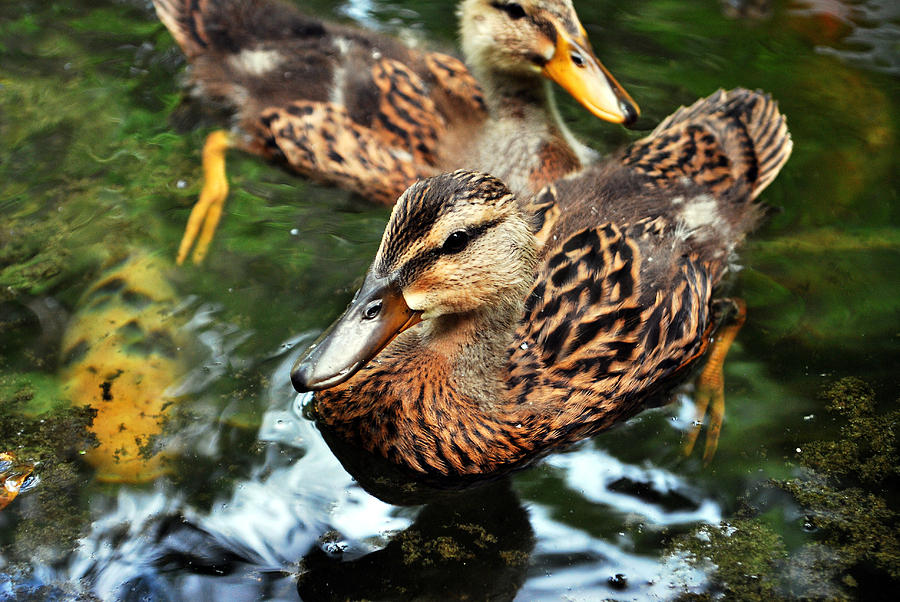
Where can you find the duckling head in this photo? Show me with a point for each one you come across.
(519, 38)
(456, 244)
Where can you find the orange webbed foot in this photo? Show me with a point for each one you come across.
(710, 395)
(207, 212)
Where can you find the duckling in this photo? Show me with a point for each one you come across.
(472, 349)
(365, 112)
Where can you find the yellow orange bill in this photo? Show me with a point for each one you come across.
(575, 67)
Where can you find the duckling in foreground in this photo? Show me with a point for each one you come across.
(363, 111)
(471, 349)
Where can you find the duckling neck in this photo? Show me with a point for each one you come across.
(525, 136)
(473, 347)
(437, 402)
(521, 97)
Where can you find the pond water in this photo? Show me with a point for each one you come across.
(99, 161)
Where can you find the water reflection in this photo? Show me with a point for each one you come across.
(471, 546)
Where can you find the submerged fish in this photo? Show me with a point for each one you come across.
(120, 355)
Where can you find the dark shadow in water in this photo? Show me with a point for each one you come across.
(471, 541)
(474, 545)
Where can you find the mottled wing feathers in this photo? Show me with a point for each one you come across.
(585, 295)
(321, 141)
(453, 78)
(732, 143)
(406, 118)
(619, 309)
(593, 343)
(334, 103)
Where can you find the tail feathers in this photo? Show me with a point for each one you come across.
(733, 142)
(768, 131)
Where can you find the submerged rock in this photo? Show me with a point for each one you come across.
(48, 515)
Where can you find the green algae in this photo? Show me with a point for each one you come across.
(846, 495)
(740, 554)
(849, 492)
(866, 454)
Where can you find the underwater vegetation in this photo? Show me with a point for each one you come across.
(848, 544)
(465, 547)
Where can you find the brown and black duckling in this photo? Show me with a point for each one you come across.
(363, 111)
(471, 349)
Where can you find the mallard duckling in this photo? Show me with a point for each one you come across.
(363, 111)
(471, 349)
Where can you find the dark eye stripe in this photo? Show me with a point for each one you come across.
(411, 270)
(537, 59)
(547, 28)
(513, 9)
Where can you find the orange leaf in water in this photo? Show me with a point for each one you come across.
(12, 476)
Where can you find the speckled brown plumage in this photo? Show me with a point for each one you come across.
(363, 111)
(526, 347)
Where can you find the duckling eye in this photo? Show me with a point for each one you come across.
(372, 310)
(577, 59)
(456, 242)
(513, 9)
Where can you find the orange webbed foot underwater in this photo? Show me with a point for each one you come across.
(710, 395)
(207, 212)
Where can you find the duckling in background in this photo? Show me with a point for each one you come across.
(363, 111)
(471, 349)
(120, 354)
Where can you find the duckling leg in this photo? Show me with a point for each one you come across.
(711, 385)
(208, 210)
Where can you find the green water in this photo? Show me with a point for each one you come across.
(99, 155)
